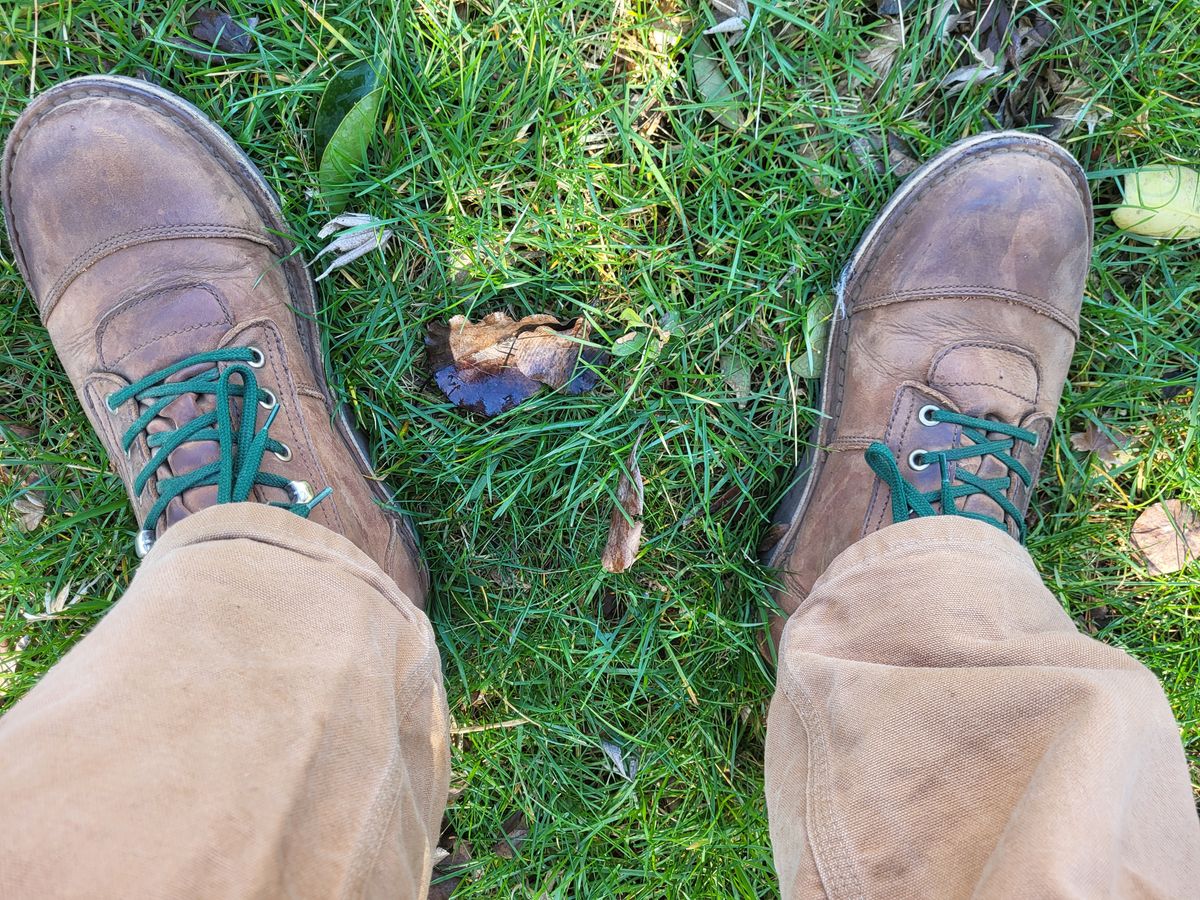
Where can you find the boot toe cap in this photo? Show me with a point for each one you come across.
(1005, 216)
(95, 159)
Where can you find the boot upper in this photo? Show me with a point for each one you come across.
(963, 300)
(147, 238)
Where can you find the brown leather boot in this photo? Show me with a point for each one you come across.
(956, 320)
(152, 246)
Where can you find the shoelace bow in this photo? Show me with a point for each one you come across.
(238, 468)
(907, 501)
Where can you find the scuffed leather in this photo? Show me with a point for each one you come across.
(144, 241)
(966, 296)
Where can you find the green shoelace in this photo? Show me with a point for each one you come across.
(907, 501)
(242, 445)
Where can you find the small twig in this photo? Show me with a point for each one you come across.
(475, 729)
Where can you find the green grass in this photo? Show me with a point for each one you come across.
(517, 164)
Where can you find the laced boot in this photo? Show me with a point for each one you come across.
(152, 247)
(955, 324)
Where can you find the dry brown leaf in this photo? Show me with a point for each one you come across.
(625, 523)
(1075, 106)
(1109, 444)
(719, 93)
(449, 867)
(215, 28)
(57, 604)
(885, 48)
(624, 763)
(732, 18)
(964, 77)
(1029, 36)
(492, 366)
(30, 505)
(516, 829)
(898, 157)
(993, 22)
(1167, 535)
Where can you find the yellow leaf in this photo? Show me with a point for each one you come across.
(1161, 202)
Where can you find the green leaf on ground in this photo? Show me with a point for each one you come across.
(713, 85)
(816, 338)
(343, 126)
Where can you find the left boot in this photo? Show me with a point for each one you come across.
(155, 252)
(956, 320)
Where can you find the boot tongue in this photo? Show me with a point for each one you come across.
(988, 381)
(152, 331)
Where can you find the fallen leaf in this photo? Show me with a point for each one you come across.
(816, 339)
(612, 608)
(30, 505)
(516, 829)
(216, 30)
(1075, 106)
(623, 763)
(713, 86)
(898, 158)
(735, 369)
(448, 868)
(1172, 390)
(1029, 37)
(885, 48)
(629, 344)
(1107, 443)
(992, 26)
(1167, 535)
(359, 235)
(732, 17)
(343, 125)
(56, 604)
(965, 76)
(814, 160)
(625, 523)
(494, 365)
(1161, 202)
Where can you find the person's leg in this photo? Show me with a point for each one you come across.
(941, 729)
(260, 715)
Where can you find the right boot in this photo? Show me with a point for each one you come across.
(153, 248)
(955, 324)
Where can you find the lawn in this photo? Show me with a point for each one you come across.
(558, 156)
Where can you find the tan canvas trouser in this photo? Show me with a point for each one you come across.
(262, 715)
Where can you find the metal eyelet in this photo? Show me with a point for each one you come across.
(143, 542)
(300, 491)
(108, 403)
(270, 402)
(259, 360)
(925, 416)
(285, 455)
(912, 461)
